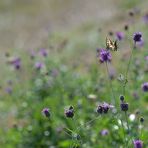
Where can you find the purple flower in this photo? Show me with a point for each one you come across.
(137, 37)
(124, 106)
(138, 144)
(103, 108)
(43, 52)
(104, 55)
(145, 18)
(146, 58)
(8, 90)
(46, 112)
(39, 65)
(145, 87)
(119, 35)
(69, 113)
(104, 132)
(16, 62)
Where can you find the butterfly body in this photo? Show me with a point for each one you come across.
(111, 45)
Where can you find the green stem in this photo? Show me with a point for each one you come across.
(111, 86)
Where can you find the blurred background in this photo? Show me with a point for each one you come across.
(69, 31)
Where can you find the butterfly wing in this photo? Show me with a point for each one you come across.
(109, 44)
(115, 45)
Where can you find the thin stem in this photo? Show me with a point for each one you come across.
(111, 86)
(87, 123)
(127, 121)
(126, 73)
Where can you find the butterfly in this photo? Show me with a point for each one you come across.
(111, 45)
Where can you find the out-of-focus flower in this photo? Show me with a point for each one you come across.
(69, 113)
(137, 37)
(104, 55)
(54, 72)
(8, 90)
(145, 87)
(15, 61)
(119, 36)
(146, 58)
(145, 18)
(43, 52)
(138, 144)
(92, 96)
(104, 132)
(46, 112)
(39, 65)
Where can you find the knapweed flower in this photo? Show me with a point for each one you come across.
(69, 113)
(15, 61)
(39, 65)
(137, 37)
(8, 90)
(46, 112)
(104, 55)
(145, 87)
(138, 144)
(103, 108)
(104, 132)
(145, 18)
(146, 58)
(124, 106)
(119, 35)
(43, 52)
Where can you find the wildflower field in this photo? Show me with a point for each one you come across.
(74, 84)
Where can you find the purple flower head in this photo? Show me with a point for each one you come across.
(119, 35)
(46, 112)
(69, 113)
(138, 144)
(43, 52)
(39, 65)
(103, 108)
(137, 37)
(104, 132)
(146, 58)
(145, 18)
(8, 90)
(104, 55)
(16, 62)
(124, 106)
(145, 87)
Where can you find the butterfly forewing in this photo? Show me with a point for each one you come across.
(111, 45)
